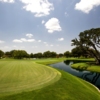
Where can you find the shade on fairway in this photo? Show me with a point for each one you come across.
(24, 75)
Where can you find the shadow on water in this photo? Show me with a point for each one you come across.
(91, 77)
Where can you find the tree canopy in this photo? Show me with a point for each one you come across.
(90, 39)
(1, 53)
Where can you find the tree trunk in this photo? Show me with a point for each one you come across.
(97, 59)
(98, 62)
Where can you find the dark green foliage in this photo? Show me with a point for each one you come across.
(19, 54)
(90, 39)
(1, 53)
(67, 54)
(60, 55)
(48, 54)
(78, 52)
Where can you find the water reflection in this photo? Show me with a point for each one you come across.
(91, 77)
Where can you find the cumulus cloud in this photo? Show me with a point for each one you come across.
(29, 35)
(8, 1)
(2, 41)
(87, 5)
(17, 41)
(60, 39)
(38, 7)
(30, 40)
(23, 40)
(53, 25)
(43, 21)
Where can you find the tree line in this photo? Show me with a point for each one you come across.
(19, 54)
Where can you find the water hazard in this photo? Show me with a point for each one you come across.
(91, 77)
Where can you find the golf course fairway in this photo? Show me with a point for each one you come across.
(24, 75)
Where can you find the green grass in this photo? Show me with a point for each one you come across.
(86, 66)
(49, 60)
(68, 87)
(18, 76)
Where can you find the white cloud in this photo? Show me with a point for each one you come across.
(29, 35)
(38, 7)
(43, 21)
(8, 1)
(39, 40)
(30, 40)
(60, 39)
(23, 40)
(1, 41)
(87, 5)
(17, 41)
(53, 25)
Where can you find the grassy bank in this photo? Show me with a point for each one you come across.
(49, 60)
(86, 66)
(68, 87)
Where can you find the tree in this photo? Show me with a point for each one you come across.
(48, 54)
(31, 55)
(12, 53)
(67, 54)
(39, 55)
(19, 54)
(78, 52)
(60, 55)
(1, 53)
(90, 39)
(53, 54)
(7, 54)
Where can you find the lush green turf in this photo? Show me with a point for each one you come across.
(22, 75)
(68, 87)
(86, 66)
(49, 60)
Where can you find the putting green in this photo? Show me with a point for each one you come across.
(22, 75)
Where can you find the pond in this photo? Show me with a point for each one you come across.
(91, 77)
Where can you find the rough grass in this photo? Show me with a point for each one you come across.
(18, 76)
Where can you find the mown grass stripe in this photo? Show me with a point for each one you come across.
(18, 76)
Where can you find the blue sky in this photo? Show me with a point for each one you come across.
(41, 25)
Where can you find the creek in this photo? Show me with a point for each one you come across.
(91, 77)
